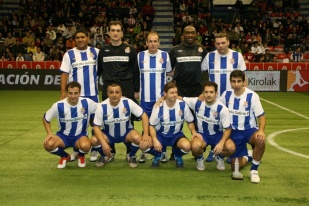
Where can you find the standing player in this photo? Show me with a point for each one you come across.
(166, 123)
(73, 115)
(80, 64)
(153, 65)
(245, 107)
(186, 59)
(213, 124)
(117, 63)
(219, 64)
(112, 125)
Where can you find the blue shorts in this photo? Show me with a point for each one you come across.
(212, 140)
(171, 140)
(147, 107)
(70, 141)
(113, 140)
(241, 138)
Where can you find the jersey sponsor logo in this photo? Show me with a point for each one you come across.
(117, 120)
(75, 119)
(200, 49)
(172, 123)
(180, 112)
(239, 113)
(207, 120)
(83, 63)
(82, 110)
(124, 111)
(152, 70)
(189, 59)
(246, 104)
(127, 50)
(116, 59)
(221, 71)
(232, 61)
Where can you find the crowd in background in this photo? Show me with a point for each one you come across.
(42, 30)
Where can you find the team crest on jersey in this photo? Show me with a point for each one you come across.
(215, 115)
(91, 55)
(180, 112)
(124, 111)
(82, 110)
(200, 49)
(161, 61)
(245, 105)
(127, 50)
(232, 61)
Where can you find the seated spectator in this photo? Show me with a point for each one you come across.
(18, 48)
(31, 48)
(29, 56)
(38, 56)
(70, 43)
(51, 33)
(9, 41)
(148, 10)
(186, 16)
(268, 57)
(256, 50)
(288, 43)
(248, 57)
(20, 57)
(297, 55)
(27, 39)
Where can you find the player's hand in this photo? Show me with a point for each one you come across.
(260, 137)
(47, 138)
(160, 101)
(201, 97)
(146, 141)
(107, 150)
(197, 135)
(218, 148)
(157, 145)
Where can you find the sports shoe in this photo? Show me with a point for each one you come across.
(94, 156)
(210, 157)
(220, 163)
(164, 157)
(63, 161)
(254, 176)
(109, 159)
(228, 160)
(81, 161)
(250, 153)
(73, 155)
(100, 162)
(179, 162)
(200, 164)
(143, 158)
(133, 162)
(156, 162)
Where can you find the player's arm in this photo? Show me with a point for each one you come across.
(261, 137)
(99, 135)
(192, 129)
(156, 144)
(219, 147)
(47, 127)
(145, 123)
(63, 83)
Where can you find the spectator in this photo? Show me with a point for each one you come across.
(70, 43)
(9, 41)
(297, 55)
(268, 57)
(27, 39)
(148, 10)
(38, 55)
(288, 43)
(20, 58)
(29, 56)
(51, 33)
(31, 48)
(256, 50)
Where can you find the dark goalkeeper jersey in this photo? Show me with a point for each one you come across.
(187, 63)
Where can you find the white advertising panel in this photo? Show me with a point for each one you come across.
(263, 80)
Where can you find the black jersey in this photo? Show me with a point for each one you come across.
(119, 63)
(187, 62)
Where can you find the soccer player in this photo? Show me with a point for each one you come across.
(117, 63)
(112, 125)
(213, 123)
(153, 65)
(219, 64)
(166, 123)
(245, 108)
(80, 64)
(73, 115)
(186, 59)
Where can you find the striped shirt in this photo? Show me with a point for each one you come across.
(243, 109)
(169, 121)
(72, 120)
(81, 65)
(116, 121)
(219, 67)
(153, 68)
(209, 119)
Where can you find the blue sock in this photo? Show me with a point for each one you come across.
(255, 165)
(154, 152)
(201, 157)
(75, 149)
(164, 149)
(60, 152)
(133, 149)
(221, 156)
(81, 153)
(98, 148)
(178, 152)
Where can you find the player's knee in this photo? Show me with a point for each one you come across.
(230, 148)
(85, 146)
(186, 146)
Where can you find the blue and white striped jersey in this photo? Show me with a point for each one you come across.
(72, 120)
(209, 119)
(243, 109)
(81, 65)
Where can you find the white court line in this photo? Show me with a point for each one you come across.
(270, 138)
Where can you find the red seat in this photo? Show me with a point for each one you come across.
(282, 56)
(278, 48)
